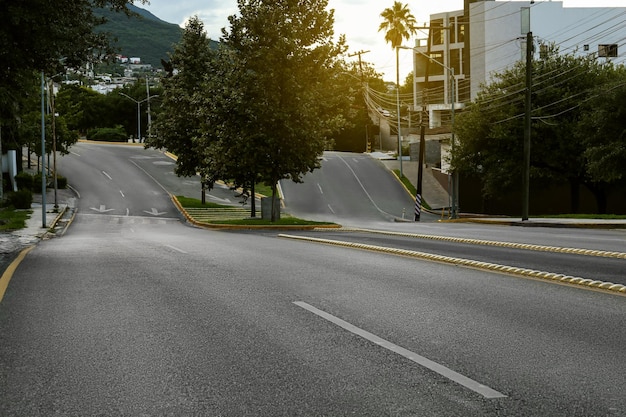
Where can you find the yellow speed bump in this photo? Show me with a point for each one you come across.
(548, 276)
(526, 246)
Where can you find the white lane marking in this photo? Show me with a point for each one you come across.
(102, 209)
(331, 209)
(320, 188)
(477, 387)
(175, 248)
(107, 175)
(364, 190)
(122, 193)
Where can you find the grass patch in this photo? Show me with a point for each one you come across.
(263, 189)
(11, 219)
(409, 186)
(285, 220)
(187, 202)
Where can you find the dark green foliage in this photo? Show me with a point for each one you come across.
(46, 36)
(61, 182)
(576, 135)
(279, 106)
(24, 181)
(21, 199)
(183, 98)
(264, 106)
(37, 183)
(108, 134)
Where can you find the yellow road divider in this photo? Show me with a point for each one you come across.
(549, 276)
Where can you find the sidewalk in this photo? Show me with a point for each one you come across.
(437, 197)
(35, 228)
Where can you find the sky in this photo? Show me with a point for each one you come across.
(358, 20)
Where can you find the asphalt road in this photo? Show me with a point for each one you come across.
(132, 313)
(351, 189)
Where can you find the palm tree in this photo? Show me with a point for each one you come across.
(398, 24)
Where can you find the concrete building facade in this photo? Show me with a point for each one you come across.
(488, 36)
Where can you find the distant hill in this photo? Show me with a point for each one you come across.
(147, 36)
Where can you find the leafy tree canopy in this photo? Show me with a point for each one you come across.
(46, 36)
(490, 131)
(287, 66)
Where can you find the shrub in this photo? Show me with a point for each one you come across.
(24, 180)
(108, 134)
(61, 182)
(37, 183)
(21, 199)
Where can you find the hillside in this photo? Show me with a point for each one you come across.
(146, 36)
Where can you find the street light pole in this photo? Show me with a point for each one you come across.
(139, 111)
(43, 152)
(398, 107)
(455, 180)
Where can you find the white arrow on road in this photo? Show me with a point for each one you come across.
(222, 200)
(102, 209)
(154, 212)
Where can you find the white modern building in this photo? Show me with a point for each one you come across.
(489, 36)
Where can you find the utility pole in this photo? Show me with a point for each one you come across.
(43, 152)
(422, 149)
(360, 62)
(148, 100)
(527, 125)
(364, 86)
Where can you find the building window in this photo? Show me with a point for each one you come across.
(461, 37)
(455, 60)
(437, 32)
(452, 30)
(436, 69)
(607, 51)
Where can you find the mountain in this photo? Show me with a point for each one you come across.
(144, 36)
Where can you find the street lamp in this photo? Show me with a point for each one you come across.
(455, 178)
(138, 114)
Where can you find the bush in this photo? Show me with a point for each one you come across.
(24, 180)
(61, 182)
(108, 134)
(37, 183)
(21, 199)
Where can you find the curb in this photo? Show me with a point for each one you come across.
(216, 226)
(537, 223)
(8, 273)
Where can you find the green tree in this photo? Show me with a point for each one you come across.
(398, 24)
(603, 129)
(43, 36)
(281, 66)
(359, 129)
(81, 107)
(490, 129)
(180, 126)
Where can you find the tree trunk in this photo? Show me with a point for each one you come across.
(574, 195)
(253, 202)
(599, 192)
(273, 216)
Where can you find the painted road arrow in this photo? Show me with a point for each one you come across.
(154, 212)
(102, 209)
